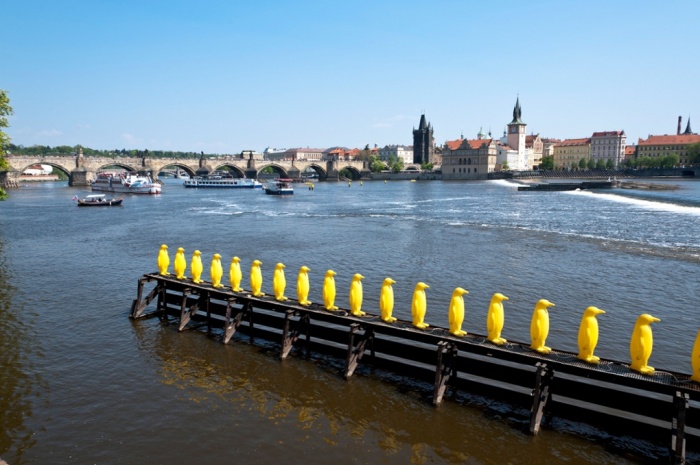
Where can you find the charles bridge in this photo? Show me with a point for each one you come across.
(82, 170)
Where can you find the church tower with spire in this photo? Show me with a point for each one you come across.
(516, 129)
(688, 131)
(423, 142)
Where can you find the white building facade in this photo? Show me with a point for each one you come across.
(401, 152)
(608, 145)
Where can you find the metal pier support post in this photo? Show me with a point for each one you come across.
(677, 450)
(356, 351)
(540, 395)
(139, 305)
(185, 314)
(445, 368)
(232, 324)
(290, 333)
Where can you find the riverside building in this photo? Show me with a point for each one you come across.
(608, 145)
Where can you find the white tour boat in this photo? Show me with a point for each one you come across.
(220, 182)
(127, 183)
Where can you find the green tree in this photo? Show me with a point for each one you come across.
(694, 153)
(582, 163)
(375, 164)
(600, 164)
(547, 162)
(426, 166)
(504, 165)
(5, 111)
(396, 164)
(610, 164)
(669, 161)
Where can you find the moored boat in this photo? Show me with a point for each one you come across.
(279, 186)
(128, 183)
(222, 182)
(99, 200)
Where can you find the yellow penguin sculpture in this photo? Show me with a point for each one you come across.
(356, 295)
(455, 314)
(329, 291)
(539, 326)
(303, 286)
(235, 274)
(386, 300)
(495, 319)
(216, 271)
(163, 260)
(642, 343)
(196, 267)
(256, 279)
(279, 282)
(419, 305)
(695, 360)
(588, 335)
(180, 263)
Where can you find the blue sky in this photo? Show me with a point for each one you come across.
(226, 76)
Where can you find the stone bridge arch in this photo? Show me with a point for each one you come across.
(318, 169)
(180, 166)
(279, 170)
(232, 168)
(356, 174)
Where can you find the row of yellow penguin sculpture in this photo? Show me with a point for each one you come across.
(640, 344)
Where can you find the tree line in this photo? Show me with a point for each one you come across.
(45, 150)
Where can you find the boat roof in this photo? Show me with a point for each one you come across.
(94, 196)
(284, 179)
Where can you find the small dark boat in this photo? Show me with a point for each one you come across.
(279, 186)
(99, 200)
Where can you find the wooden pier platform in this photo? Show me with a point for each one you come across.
(663, 408)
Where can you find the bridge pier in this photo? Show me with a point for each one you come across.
(8, 179)
(79, 177)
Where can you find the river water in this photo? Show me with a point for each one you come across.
(83, 384)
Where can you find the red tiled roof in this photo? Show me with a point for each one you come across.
(573, 142)
(630, 149)
(680, 139)
(474, 144)
(454, 144)
(479, 143)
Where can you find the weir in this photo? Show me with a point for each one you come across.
(663, 408)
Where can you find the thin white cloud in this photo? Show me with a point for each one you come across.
(84, 126)
(130, 138)
(50, 133)
(388, 122)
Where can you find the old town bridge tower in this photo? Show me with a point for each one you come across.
(423, 142)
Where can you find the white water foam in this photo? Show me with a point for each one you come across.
(641, 203)
(505, 182)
